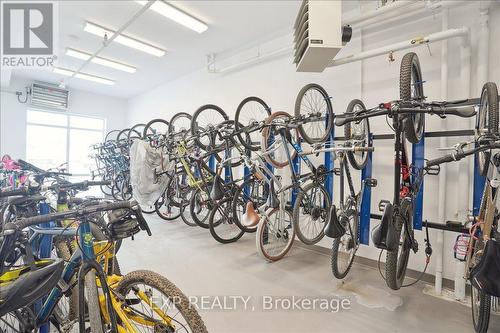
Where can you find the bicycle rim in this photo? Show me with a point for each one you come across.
(251, 110)
(314, 104)
(275, 235)
(310, 213)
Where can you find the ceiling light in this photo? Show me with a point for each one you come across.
(124, 40)
(177, 15)
(83, 76)
(101, 61)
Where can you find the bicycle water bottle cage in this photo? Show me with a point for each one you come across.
(217, 191)
(383, 234)
(371, 182)
(334, 229)
(272, 198)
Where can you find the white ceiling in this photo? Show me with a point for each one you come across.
(232, 25)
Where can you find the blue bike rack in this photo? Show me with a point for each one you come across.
(418, 160)
(329, 164)
(478, 188)
(45, 249)
(365, 215)
(296, 165)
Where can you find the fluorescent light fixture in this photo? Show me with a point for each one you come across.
(101, 61)
(88, 77)
(124, 40)
(177, 15)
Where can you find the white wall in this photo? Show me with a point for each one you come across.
(374, 80)
(13, 114)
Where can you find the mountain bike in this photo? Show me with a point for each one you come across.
(395, 232)
(482, 261)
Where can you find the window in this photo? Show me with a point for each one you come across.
(53, 139)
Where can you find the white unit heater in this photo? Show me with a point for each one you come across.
(49, 96)
(318, 34)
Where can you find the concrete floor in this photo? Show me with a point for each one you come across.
(200, 266)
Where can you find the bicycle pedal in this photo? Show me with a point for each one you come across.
(371, 182)
(414, 246)
(433, 170)
(337, 171)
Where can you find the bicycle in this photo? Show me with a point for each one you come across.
(395, 233)
(481, 262)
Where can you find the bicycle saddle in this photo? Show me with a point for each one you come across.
(384, 235)
(217, 191)
(272, 198)
(334, 229)
(250, 218)
(23, 286)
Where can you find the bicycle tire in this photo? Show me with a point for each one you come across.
(175, 119)
(414, 124)
(239, 123)
(397, 261)
(265, 142)
(348, 133)
(316, 214)
(148, 130)
(480, 312)
(337, 242)
(135, 132)
(195, 128)
(160, 202)
(262, 238)
(195, 203)
(110, 135)
(93, 306)
(487, 118)
(307, 135)
(168, 289)
(224, 230)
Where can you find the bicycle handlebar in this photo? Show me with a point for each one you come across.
(11, 193)
(26, 222)
(455, 156)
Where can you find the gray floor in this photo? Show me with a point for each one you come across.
(200, 266)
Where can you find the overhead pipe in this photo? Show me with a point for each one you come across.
(110, 39)
(435, 37)
(251, 61)
(390, 8)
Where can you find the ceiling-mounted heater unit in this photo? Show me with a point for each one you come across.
(319, 34)
(49, 96)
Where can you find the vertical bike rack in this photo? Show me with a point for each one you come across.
(296, 165)
(45, 252)
(418, 160)
(329, 163)
(365, 215)
(478, 188)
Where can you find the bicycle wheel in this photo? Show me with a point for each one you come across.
(310, 213)
(186, 216)
(93, 308)
(156, 127)
(275, 234)
(180, 122)
(344, 248)
(136, 132)
(270, 139)
(13, 322)
(155, 304)
(253, 190)
(397, 261)
(357, 135)
(111, 135)
(315, 106)
(487, 122)
(480, 301)
(126, 188)
(204, 121)
(251, 111)
(200, 206)
(411, 88)
(221, 222)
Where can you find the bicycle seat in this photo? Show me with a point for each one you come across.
(217, 191)
(334, 229)
(23, 286)
(250, 218)
(383, 234)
